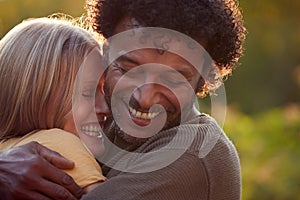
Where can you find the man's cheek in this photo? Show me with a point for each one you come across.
(120, 83)
(110, 82)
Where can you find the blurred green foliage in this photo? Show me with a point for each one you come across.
(269, 72)
(268, 145)
(13, 12)
(263, 118)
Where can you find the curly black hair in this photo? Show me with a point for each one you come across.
(218, 23)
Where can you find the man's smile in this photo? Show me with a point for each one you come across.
(142, 118)
(142, 115)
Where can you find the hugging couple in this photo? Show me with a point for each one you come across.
(124, 123)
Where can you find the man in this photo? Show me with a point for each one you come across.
(190, 158)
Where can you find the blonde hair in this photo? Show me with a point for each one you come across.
(39, 60)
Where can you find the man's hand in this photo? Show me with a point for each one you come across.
(32, 171)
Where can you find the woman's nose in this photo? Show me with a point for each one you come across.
(101, 107)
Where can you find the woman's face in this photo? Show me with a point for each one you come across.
(89, 108)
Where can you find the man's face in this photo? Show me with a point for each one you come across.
(150, 90)
(147, 79)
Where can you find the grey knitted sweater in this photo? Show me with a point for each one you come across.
(195, 160)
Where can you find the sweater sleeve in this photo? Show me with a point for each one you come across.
(186, 178)
(223, 168)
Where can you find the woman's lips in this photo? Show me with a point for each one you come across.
(93, 130)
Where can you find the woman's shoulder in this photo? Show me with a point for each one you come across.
(58, 133)
(51, 138)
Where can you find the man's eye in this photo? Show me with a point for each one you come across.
(173, 80)
(122, 70)
(173, 83)
(118, 67)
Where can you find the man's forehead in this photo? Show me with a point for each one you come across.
(160, 39)
(157, 56)
(154, 36)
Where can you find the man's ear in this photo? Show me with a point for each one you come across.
(105, 52)
(200, 90)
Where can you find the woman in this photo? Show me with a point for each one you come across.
(43, 64)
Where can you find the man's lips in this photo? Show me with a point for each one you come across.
(142, 115)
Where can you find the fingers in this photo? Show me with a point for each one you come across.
(55, 191)
(60, 183)
(53, 157)
(24, 168)
(63, 185)
(34, 195)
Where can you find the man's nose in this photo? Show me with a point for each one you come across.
(147, 95)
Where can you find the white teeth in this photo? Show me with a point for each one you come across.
(93, 131)
(138, 114)
(144, 116)
(141, 115)
(134, 112)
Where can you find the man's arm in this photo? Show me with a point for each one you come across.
(32, 171)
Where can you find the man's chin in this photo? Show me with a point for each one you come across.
(129, 138)
(140, 140)
(173, 122)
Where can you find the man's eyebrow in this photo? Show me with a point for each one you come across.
(186, 74)
(184, 70)
(126, 58)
